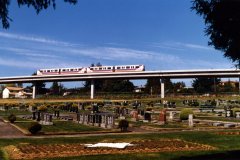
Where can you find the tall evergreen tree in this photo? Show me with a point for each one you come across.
(153, 86)
(205, 85)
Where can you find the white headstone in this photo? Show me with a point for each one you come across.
(171, 115)
(237, 114)
(190, 120)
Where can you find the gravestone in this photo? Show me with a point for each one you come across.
(229, 113)
(134, 115)
(216, 124)
(47, 120)
(237, 114)
(171, 114)
(147, 116)
(34, 115)
(117, 110)
(162, 117)
(190, 120)
(95, 108)
(78, 117)
(229, 125)
(38, 116)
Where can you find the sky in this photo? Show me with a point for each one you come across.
(161, 34)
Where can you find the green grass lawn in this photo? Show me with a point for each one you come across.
(61, 126)
(225, 144)
(15, 112)
(219, 119)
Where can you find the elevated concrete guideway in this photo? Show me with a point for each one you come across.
(173, 74)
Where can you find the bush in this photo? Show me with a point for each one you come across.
(42, 108)
(12, 118)
(35, 127)
(123, 125)
(184, 113)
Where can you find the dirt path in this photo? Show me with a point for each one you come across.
(8, 131)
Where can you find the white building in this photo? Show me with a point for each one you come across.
(15, 92)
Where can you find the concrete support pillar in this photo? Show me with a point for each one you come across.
(162, 90)
(34, 92)
(92, 89)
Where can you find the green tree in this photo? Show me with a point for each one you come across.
(178, 87)
(116, 85)
(38, 6)
(168, 85)
(153, 86)
(228, 87)
(56, 88)
(205, 85)
(222, 20)
(10, 85)
(40, 86)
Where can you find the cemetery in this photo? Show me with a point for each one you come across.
(169, 118)
(106, 115)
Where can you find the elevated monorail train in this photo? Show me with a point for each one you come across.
(96, 69)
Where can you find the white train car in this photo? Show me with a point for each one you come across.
(129, 68)
(96, 69)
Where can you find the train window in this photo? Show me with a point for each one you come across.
(48, 70)
(109, 67)
(100, 68)
(137, 66)
(118, 67)
(71, 70)
(91, 68)
(63, 70)
(56, 70)
(128, 67)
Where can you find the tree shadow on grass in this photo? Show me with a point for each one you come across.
(228, 155)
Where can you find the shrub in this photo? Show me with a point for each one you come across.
(123, 125)
(35, 127)
(184, 113)
(12, 118)
(42, 108)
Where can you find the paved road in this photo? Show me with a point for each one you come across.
(8, 131)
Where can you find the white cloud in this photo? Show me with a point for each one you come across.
(37, 52)
(33, 39)
(180, 46)
(27, 52)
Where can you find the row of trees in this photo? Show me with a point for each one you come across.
(153, 86)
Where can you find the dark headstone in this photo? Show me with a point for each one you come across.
(147, 116)
(38, 116)
(34, 115)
